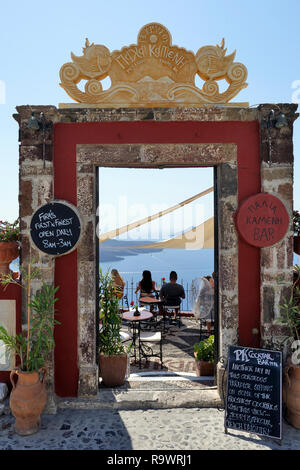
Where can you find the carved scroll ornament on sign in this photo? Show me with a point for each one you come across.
(153, 72)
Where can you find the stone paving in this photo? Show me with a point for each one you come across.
(164, 429)
(178, 352)
(169, 417)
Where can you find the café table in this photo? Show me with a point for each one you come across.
(152, 302)
(148, 300)
(135, 320)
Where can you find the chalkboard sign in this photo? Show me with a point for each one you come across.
(55, 228)
(253, 398)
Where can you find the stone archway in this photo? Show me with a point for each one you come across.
(222, 156)
(78, 140)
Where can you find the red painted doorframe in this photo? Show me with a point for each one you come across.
(67, 135)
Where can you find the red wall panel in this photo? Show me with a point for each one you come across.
(68, 135)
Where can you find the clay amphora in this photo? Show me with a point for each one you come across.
(27, 400)
(291, 394)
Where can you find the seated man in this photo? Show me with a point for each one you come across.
(172, 293)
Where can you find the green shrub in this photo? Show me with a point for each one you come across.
(205, 349)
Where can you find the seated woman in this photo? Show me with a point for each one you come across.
(146, 286)
(118, 283)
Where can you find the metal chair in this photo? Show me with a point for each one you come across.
(172, 310)
(155, 309)
(125, 336)
(207, 327)
(125, 298)
(146, 337)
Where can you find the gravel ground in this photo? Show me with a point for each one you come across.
(165, 429)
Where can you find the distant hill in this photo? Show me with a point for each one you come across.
(110, 251)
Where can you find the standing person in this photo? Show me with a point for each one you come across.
(118, 283)
(203, 307)
(211, 280)
(146, 286)
(172, 293)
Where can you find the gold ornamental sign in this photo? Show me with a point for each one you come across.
(153, 73)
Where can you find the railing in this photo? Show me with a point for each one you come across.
(130, 287)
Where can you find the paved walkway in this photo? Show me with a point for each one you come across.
(164, 429)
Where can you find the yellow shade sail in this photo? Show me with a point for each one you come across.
(119, 231)
(197, 238)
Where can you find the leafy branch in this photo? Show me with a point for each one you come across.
(34, 347)
(110, 318)
(290, 308)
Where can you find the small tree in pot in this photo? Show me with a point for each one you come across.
(32, 348)
(112, 352)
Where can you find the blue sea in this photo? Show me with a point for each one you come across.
(189, 264)
(131, 262)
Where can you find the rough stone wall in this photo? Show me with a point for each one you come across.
(36, 188)
(277, 260)
(228, 254)
(86, 203)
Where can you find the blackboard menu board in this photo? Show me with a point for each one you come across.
(55, 228)
(253, 398)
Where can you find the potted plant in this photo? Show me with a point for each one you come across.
(204, 356)
(296, 228)
(32, 348)
(9, 247)
(290, 316)
(112, 352)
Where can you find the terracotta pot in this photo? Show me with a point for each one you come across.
(291, 394)
(113, 369)
(204, 368)
(297, 245)
(8, 252)
(27, 400)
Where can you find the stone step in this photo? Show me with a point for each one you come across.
(152, 391)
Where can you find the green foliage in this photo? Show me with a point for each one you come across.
(9, 232)
(40, 338)
(205, 349)
(296, 222)
(14, 343)
(42, 324)
(110, 318)
(35, 273)
(290, 308)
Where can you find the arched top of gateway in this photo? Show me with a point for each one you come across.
(153, 72)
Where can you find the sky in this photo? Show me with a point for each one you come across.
(36, 39)
(124, 199)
